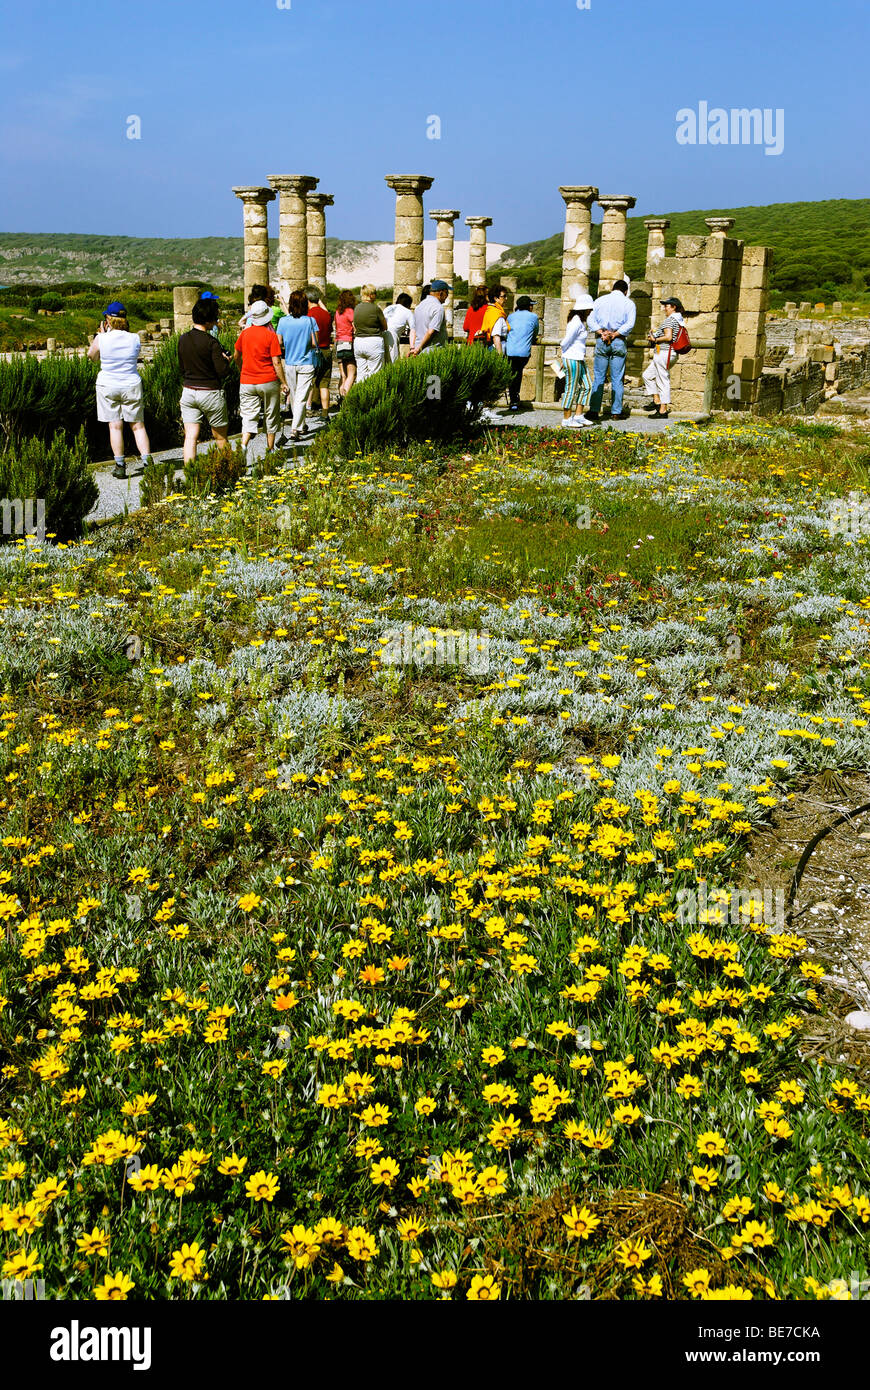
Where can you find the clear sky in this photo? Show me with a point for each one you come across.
(530, 94)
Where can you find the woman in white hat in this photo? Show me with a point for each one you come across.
(259, 354)
(656, 376)
(578, 383)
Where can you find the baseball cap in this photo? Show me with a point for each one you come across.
(438, 285)
(116, 309)
(207, 294)
(676, 303)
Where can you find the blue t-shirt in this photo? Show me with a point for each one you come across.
(523, 326)
(295, 335)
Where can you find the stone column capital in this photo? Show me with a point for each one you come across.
(252, 194)
(444, 215)
(619, 202)
(719, 226)
(300, 184)
(478, 221)
(409, 183)
(579, 193)
(656, 224)
(319, 200)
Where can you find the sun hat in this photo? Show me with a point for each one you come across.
(115, 310)
(583, 301)
(259, 313)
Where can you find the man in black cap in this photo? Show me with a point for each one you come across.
(656, 377)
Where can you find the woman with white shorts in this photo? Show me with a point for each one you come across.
(656, 377)
(119, 385)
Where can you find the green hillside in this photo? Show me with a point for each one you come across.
(48, 258)
(822, 249)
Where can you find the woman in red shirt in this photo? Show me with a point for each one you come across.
(474, 315)
(261, 359)
(344, 340)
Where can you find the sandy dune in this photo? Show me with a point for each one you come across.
(374, 264)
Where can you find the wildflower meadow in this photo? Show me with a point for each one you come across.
(376, 921)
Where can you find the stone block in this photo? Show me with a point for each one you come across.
(831, 371)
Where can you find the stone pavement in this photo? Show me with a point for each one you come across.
(119, 497)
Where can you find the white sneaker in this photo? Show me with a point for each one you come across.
(572, 423)
(582, 423)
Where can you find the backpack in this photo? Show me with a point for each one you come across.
(680, 342)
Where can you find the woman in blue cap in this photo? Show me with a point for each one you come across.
(119, 385)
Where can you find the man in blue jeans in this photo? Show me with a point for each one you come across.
(612, 318)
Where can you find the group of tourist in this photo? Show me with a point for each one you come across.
(287, 353)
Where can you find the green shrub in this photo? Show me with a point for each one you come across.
(59, 474)
(43, 398)
(437, 396)
(157, 481)
(51, 302)
(217, 470)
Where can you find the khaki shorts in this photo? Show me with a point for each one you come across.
(116, 403)
(210, 406)
(257, 396)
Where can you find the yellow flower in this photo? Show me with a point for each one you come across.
(232, 1166)
(262, 1187)
(445, 1279)
(187, 1263)
(114, 1288)
(581, 1224)
(94, 1243)
(697, 1281)
(631, 1254)
(483, 1289)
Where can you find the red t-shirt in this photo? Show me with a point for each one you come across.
(344, 326)
(473, 320)
(323, 318)
(258, 345)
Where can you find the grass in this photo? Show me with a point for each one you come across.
(277, 911)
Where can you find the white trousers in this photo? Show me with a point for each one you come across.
(656, 377)
(300, 380)
(369, 354)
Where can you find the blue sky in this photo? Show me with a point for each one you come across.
(530, 94)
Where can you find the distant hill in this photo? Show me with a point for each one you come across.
(822, 249)
(46, 258)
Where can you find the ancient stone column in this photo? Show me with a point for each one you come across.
(611, 264)
(315, 204)
(750, 340)
(444, 219)
(292, 228)
(576, 245)
(408, 251)
(719, 226)
(256, 227)
(183, 299)
(655, 245)
(477, 250)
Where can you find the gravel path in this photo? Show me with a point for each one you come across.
(118, 497)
